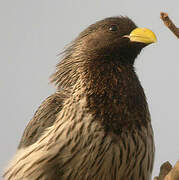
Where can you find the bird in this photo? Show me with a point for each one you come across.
(97, 125)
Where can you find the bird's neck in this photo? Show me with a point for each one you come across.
(116, 98)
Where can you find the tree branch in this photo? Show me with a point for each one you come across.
(167, 172)
(165, 168)
(168, 22)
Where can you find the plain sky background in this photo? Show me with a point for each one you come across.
(33, 32)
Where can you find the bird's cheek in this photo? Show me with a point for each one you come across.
(92, 43)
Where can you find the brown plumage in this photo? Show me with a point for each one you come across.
(97, 125)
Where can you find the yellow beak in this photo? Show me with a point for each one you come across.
(142, 35)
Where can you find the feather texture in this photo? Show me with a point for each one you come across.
(97, 126)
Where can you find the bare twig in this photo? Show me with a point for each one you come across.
(168, 22)
(164, 170)
(167, 172)
(174, 173)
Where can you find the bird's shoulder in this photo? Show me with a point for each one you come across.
(43, 118)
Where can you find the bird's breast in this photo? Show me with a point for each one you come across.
(94, 153)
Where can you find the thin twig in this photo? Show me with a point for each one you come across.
(164, 170)
(168, 22)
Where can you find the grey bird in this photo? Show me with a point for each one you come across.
(97, 125)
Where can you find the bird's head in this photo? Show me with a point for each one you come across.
(117, 38)
(114, 40)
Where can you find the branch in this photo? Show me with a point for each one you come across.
(168, 22)
(165, 168)
(167, 172)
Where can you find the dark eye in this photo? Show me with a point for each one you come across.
(113, 28)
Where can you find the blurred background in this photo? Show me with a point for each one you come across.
(33, 33)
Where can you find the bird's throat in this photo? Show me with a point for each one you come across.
(116, 98)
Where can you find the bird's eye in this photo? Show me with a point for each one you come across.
(113, 28)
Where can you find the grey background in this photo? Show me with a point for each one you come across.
(33, 32)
